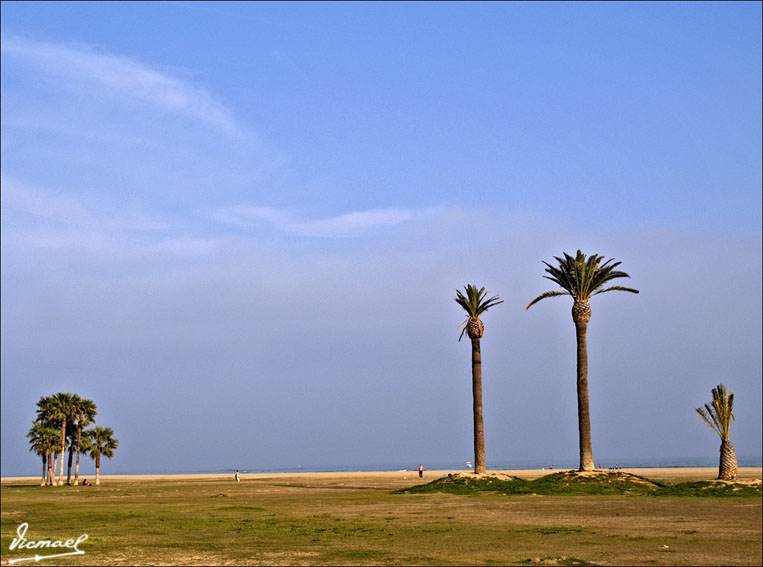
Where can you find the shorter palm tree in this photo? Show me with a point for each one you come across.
(83, 413)
(718, 415)
(36, 444)
(475, 304)
(87, 410)
(99, 441)
(43, 440)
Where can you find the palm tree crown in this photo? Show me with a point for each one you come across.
(719, 413)
(474, 303)
(43, 438)
(582, 278)
(100, 441)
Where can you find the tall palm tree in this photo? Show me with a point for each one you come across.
(71, 431)
(86, 412)
(718, 415)
(582, 278)
(475, 304)
(58, 408)
(99, 441)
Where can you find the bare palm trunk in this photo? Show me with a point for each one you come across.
(727, 470)
(63, 452)
(44, 468)
(98, 468)
(52, 470)
(479, 426)
(69, 465)
(581, 314)
(79, 442)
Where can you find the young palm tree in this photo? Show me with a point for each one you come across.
(582, 278)
(99, 441)
(86, 413)
(475, 304)
(718, 415)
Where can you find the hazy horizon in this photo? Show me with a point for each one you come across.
(239, 227)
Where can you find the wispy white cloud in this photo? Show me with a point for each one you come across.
(35, 218)
(85, 67)
(350, 224)
(53, 207)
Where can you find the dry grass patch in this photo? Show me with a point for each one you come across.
(359, 521)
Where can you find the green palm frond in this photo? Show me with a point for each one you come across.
(614, 288)
(474, 303)
(719, 413)
(545, 295)
(709, 419)
(462, 326)
(99, 441)
(43, 438)
(582, 277)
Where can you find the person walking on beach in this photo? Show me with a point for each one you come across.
(237, 477)
(421, 471)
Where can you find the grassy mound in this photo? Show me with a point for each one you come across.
(573, 483)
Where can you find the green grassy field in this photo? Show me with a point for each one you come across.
(354, 520)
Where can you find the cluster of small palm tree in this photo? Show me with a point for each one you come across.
(60, 424)
(579, 277)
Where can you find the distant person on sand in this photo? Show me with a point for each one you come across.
(421, 471)
(237, 477)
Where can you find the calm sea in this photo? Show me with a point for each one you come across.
(743, 461)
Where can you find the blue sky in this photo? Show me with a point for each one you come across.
(239, 227)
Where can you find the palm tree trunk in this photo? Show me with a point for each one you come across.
(69, 465)
(63, 452)
(52, 471)
(479, 426)
(98, 468)
(727, 469)
(79, 441)
(44, 468)
(584, 416)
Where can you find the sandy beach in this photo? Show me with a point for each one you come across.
(670, 474)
